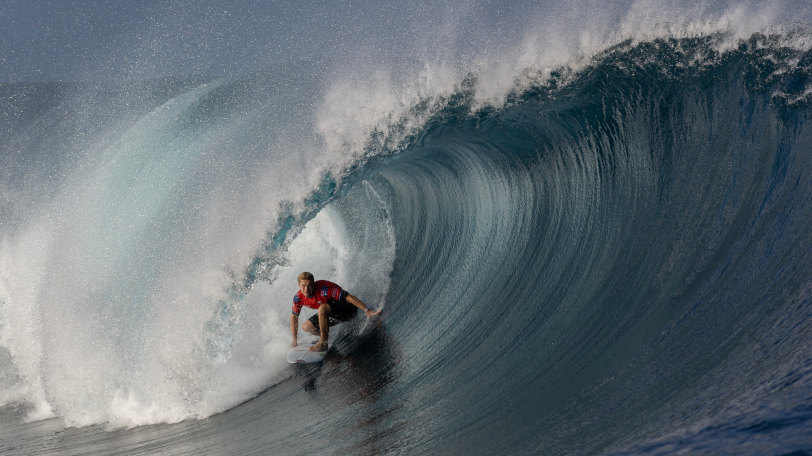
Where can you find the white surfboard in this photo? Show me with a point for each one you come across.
(302, 354)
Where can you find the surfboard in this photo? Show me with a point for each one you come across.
(302, 354)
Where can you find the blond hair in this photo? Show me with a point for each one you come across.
(307, 276)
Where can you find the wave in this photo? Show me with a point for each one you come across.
(613, 257)
(606, 250)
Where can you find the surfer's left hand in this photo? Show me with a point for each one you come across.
(372, 313)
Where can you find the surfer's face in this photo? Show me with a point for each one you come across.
(306, 287)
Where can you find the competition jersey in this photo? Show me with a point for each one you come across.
(323, 292)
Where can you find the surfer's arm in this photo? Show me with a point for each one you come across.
(294, 328)
(359, 304)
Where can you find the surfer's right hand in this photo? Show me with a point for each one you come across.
(372, 313)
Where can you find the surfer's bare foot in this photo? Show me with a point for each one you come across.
(319, 347)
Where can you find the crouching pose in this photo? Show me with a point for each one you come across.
(334, 306)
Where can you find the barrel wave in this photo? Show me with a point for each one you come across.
(615, 259)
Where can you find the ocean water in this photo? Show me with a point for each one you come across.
(596, 247)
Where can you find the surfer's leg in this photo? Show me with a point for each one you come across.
(323, 327)
(311, 325)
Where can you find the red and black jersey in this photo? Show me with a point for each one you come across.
(324, 292)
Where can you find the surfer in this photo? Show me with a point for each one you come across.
(334, 306)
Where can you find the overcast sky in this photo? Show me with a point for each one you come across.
(64, 39)
(109, 39)
(102, 40)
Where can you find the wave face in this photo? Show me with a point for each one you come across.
(615, 259)
(595, 264)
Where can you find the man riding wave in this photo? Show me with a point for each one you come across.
(334, 306)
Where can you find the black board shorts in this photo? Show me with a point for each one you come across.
(341, 311)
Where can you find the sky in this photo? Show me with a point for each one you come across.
(87, 40)
(70, 40)
(109, 40)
